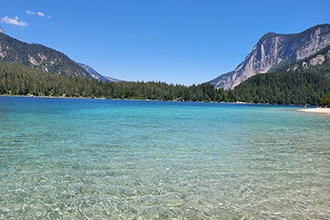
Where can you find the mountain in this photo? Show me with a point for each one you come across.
(38, 57)
(97, 75)
(319, 62)
(44, 58)
(274, 51)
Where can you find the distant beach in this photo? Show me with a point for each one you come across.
(325, 111)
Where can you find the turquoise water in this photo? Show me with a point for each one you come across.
(112, 159)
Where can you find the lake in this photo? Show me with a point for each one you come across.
(119, 159)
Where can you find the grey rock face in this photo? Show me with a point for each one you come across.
(276, 49)
(317, 59)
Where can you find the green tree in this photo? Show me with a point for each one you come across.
(326, 99)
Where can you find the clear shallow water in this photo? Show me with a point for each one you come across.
(103, 159)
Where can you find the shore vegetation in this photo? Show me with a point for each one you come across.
(276, 88)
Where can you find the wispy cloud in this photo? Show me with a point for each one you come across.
(14, 21)
(39, 13)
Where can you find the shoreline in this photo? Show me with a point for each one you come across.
(317, 110)
(60, 97)
(324, 111)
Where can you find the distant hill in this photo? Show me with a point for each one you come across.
(97, 75)
(274, 51)
(44, 58)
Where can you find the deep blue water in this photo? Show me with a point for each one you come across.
(117, 159)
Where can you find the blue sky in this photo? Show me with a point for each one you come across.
(174, 41)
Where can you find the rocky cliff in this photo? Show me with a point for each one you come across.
(317, 59)
(275, 50)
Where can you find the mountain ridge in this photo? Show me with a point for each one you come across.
(276, 49)
(273, 51)
(39, 57)
(97, 75)
(45, 58)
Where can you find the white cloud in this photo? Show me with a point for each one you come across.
(39, 13)
(30, 12)
(14, 21)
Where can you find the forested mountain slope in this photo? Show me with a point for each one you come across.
(304, 85)
(39, 57)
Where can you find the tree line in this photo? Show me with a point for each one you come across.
(284, 88)
(17, 79)
(274, 88)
